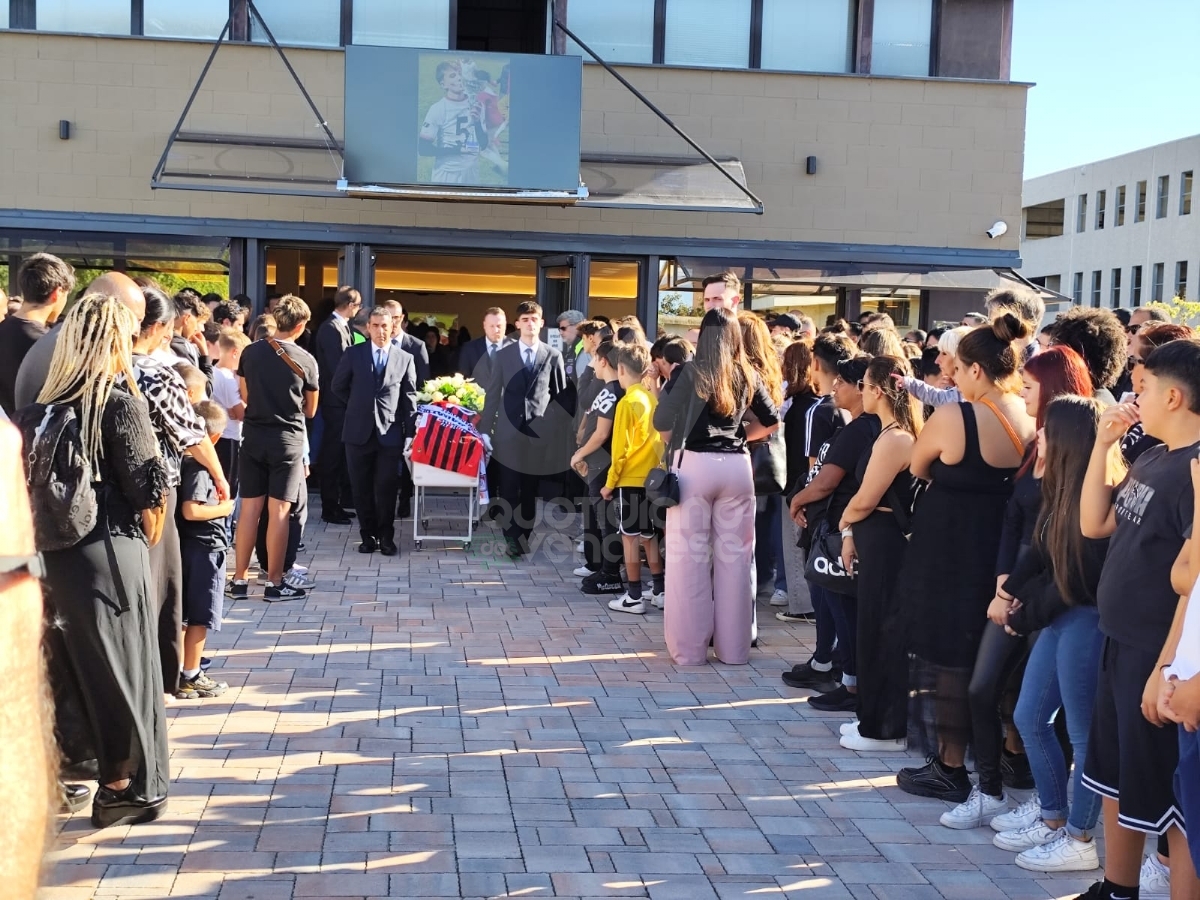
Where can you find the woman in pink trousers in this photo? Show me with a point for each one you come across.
(710, 534)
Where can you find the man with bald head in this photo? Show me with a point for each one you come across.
(31, 377)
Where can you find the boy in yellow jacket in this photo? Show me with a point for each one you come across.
(636, 449)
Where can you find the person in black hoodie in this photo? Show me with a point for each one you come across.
(1053, 589)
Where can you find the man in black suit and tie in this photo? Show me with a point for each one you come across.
(377, 382)
(526, 377)
(420, 354)
(334, 338)
(476, 358)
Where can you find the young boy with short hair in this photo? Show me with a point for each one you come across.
(225, 392)
(203, 543)
(601, 545)
(195, 382)
(636, 449)
(1131, 757)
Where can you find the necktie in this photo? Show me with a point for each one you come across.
(379, 360)
(529, 359)
(491, 349)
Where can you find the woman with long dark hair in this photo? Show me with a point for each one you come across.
(710, 534)
(970, 453)
(1054, 587)
(800, 395)
(874, 530)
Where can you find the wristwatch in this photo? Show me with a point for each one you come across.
(32, 565)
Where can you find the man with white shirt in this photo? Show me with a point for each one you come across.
(476, 358)
(334, 338)
(526, 377)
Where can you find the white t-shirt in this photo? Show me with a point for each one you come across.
(225, 392)
(1187, 657)
(450, 120)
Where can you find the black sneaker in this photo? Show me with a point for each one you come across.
(806, 677)
(602, 583)
(1014, 769)
(935, 780)
(238, 588)
(801, 619)
(200, 687)
(837, 700)
(1095, 892)
(274, 594)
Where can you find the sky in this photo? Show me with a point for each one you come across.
(1111, 76)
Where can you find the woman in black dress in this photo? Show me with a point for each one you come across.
(101, 638)
(969, 452)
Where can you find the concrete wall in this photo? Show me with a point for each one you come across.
(1154, 240)
(900, 161)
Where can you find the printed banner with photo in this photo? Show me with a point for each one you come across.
(463, 109)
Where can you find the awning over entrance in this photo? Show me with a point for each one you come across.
(664, 182)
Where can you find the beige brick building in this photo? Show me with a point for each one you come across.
(910, 172)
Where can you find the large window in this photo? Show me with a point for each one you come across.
(1139, 213)
(403, 23)
(618, 30)
(1077, 288)
(808, 35)
(1100, 198)
(315, 23)
(1096, 289)
(1156, 285)
(193, 19)
(902, 37)
(1181, 279)
(1185, 194)
(1081, 213)
(1164, 188)
(713, 33)
(1135, 286)
(86, 16)
(1119, 216)
(1116, 288)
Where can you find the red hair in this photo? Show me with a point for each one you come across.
(1058, 370)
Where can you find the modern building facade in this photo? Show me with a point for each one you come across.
(1119, 232)
(883, 137)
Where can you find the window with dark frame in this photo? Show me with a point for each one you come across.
(1185, 193)
(1081, 213)
(1181, 268)
(1115, 298)
(1139, 212)
(1135, 286)
(1096, 288)
(1101, 196)
(1156, 283)
(1077, 288)
(1119, 214)
(1164, 189)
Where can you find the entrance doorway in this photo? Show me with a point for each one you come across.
(502, 26)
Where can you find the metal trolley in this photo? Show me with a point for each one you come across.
(426, 476)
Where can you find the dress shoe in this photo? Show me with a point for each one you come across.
(368, 545)
(124, 808)
(388, 547)
(335, 518)
(513, 549)
(349, 513)
(75, 796)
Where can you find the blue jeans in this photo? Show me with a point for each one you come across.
(832, 626)
(1061, 672)
(768, 541)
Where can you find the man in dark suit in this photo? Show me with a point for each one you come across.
(526, 378)
(376, 382)
(334, 338)
(476, 357)
(420, 353)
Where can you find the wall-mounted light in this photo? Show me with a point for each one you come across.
(810, 166)
(64, 130)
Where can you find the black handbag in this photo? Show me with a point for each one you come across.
(662, 485)
(768, 460)
(824, 564)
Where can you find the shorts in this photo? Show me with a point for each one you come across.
(203, 585)
(633, 512)
(273, 472)
(1128, 759)
(1187, 786)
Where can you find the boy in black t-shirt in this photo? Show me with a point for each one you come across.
(202, 546)
(1131, 757)
(601, 545)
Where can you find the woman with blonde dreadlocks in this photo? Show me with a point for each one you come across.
(101, 637)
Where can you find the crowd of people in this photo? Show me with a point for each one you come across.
(996, 551)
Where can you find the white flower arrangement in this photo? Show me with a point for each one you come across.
(455, 390)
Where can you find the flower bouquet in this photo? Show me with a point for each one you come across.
(453, 390)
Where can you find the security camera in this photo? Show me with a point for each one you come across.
(997, 230)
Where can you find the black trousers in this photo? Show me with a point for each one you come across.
(166, 583)
(602, 549)
(375, 480)
(296, 522)
(518, 493)
(228, 450)
(331, 461)
(882, 661)
(1000, 655)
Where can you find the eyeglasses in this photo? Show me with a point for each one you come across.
(563, 327)
(1132, 329)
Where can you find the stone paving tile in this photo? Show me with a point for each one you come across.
(452, 724)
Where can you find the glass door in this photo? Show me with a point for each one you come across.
(562, 284)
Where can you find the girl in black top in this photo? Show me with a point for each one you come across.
(710, 534)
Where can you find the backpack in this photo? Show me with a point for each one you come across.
(58, 475)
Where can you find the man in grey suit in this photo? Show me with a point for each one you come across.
(333, 339)
(527, 377)
(376, 382)
(476, 358)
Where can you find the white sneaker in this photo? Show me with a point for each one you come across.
(1063, 854)
(658, 601)
(976, 810)
(628, 604)
(849, 727)
(1021, 839)
(779, 598)
(855, 741)
(1155, 880)
(1023, 816)
(583, 572)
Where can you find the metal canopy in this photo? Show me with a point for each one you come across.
(314, 166)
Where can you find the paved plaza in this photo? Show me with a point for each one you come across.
(453, 724)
